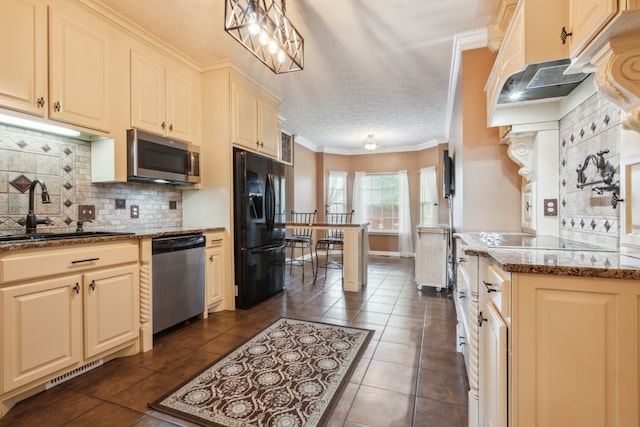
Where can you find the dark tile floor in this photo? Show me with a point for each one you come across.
(410, 374)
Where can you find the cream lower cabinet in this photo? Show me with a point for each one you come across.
(41, 329)
(112, 308)
(575, 351)
(80, 303)
(214, 271)
(431, 257)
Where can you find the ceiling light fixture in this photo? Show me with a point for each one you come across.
(263, 28)
(370, 142)
(32, 124)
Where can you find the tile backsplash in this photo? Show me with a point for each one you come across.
(585, 215)
(64, 165)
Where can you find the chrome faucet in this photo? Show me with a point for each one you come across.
(32, 221)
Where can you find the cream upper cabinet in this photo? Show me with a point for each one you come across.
(41, 329)
(112, 308)
(23, 43)
(215, 270)
(164, 96)
(79, 70)
(575, 351)
(254, 119)
(66, 80)
(587, 18)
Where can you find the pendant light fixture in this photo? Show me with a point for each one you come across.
(262, 27)
(370, 143)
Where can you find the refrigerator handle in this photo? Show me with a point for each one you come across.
(270, 203)
(267, 249)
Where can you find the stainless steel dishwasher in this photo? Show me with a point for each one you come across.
(177, 279)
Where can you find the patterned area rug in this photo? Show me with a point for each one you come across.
(291, 374)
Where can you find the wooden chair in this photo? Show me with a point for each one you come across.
(301, 238)
(333, 240)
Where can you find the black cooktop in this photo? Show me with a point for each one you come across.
(528, 241)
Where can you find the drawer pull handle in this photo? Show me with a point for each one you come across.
(461, 295)
(481, 319)
(76, 288)
(461, 260)
(84, 260)
(489, 288)
(92, 285)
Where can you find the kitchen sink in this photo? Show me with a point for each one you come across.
(12, 238)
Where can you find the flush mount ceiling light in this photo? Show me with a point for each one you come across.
(370, 142)
(263, 28)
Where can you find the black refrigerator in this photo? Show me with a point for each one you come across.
(258, 215)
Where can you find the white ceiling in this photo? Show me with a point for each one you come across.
(377, 67)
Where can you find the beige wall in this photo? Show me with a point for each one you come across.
(487, 193)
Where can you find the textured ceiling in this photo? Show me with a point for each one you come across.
(377, 67)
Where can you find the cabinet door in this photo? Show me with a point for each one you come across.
(41, 329)
(493, 369)
(268, 129)
(79, 70)
(214, 273)
(180, 111)
(244, 107)
(147, 94)
(112, 308)
(630, 208)
(23, 43)
(587, 18)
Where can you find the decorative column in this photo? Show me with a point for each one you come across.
(618, 75)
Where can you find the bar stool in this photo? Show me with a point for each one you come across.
(301, 238)
(334, 239)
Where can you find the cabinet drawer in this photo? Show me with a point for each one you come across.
(467, 270)
(497, 285)
(35, 263)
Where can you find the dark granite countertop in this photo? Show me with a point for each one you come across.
(606, 263)
(51, 243)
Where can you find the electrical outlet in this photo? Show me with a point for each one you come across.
(135, 211)
(86, 212)
(550, 207)
(121, 203)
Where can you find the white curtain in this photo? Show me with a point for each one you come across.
(337, 198)
(428, 196)
(404, 216)
(358, 200)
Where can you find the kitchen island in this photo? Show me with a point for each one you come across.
(356, 250)
(550, 336)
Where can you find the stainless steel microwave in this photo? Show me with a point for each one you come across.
(161, 160)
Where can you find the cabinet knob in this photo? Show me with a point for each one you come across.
(163, 125)
(57, 107)
(92, 285)
(40, 102)
(211, 258)
(257, 144)
(564, 35)
(171, 127)
(76, 288)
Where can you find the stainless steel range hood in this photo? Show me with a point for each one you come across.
(540, 81)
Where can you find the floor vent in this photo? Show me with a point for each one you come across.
(72, 374)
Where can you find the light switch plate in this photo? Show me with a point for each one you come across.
(121, 203)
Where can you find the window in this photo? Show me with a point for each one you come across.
(380, 193)
(428, 196)
(337, 196)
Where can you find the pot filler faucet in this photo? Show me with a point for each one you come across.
(32, 221)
